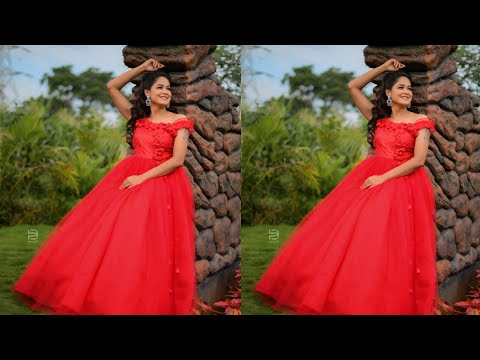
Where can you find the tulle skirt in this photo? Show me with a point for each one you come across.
(119, 251)
(369, 251)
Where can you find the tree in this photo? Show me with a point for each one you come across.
(302, 85)
(61, 85)
(228, 58)
(329, 87)
(332, 88)
(468, 60)
(85, 90)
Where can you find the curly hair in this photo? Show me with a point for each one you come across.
(380, 109)
(139, 110)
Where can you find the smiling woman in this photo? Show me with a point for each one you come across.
(128, 247)
(369, 246)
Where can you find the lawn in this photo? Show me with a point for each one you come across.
(18, 244)
(260, 243)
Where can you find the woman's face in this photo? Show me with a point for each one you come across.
(401, 92)
(160, 92)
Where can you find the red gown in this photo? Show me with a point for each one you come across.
(368, 251)
(122, 251)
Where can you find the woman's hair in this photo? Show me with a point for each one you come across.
(139, 110)
(380, 109)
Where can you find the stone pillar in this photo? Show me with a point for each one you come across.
(453, 160)
(213, 160)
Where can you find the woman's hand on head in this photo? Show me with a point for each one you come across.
(152, 65)
(393, 65)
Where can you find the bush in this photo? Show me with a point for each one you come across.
(290, 162)
(49, 161)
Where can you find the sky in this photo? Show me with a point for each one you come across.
(40, 59)
(281, 59)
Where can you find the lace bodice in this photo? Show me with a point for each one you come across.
(397, 140)
(155, 140)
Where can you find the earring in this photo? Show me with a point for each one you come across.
(389, 101)
(148, 102)
(168, 105)
(409, 105)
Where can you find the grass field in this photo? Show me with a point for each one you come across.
(259, 246)
(18, 244)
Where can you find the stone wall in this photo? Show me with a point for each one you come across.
(453, 161)
(213, 160)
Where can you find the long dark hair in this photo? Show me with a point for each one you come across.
(380, 109)
(139, 110)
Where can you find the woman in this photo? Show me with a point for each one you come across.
(128, 246)
(369, 246)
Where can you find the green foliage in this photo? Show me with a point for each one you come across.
(86, 89)
(329, 87)
(49, 161)
(302, 85)
(468, 60)
(332, 89)
(290, 162)
(229, 67)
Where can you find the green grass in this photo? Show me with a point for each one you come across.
(258, 251)
(16, 251)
